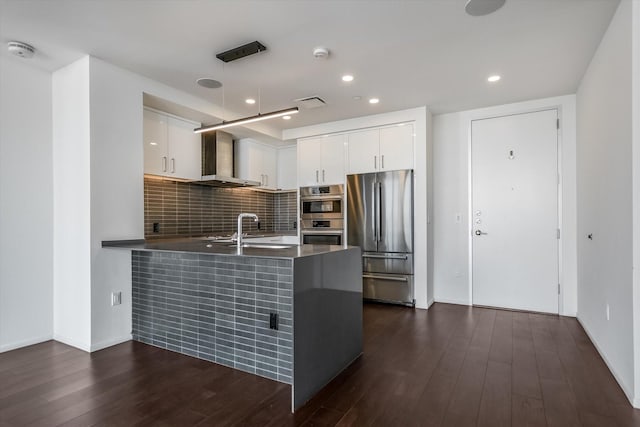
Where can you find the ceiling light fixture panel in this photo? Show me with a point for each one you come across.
(494, 78)
(246, 120)
(347, 78)
(374, 100)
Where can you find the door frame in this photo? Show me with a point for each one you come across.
(561, 240)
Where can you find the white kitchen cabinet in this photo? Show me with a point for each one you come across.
(287, 168)
(257, 162)
(171, 149)
(396, 147)
(321, 160)
(364, 151)
(382, 149)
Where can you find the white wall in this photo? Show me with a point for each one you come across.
(117, 194)
(452, 237)
(421, 117)
(604, 173)
(26, 205)
(635, 75)
(71, 209)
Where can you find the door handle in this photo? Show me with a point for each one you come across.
(375, 162)
(382, 162)
(402, 257)
(164, 164)
(317, 178)
(480, 233)
(379, 211)
(322, 175)
(173, 165)
(391, 278)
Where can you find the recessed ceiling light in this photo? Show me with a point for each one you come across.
(153, 143)
(493, 79)
(374, 101)
(250, 101)
(347, 78)
(209, 83)
(286, 117)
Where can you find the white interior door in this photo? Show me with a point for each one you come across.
(514, 161)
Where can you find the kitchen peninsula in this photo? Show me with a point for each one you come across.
(286, 312)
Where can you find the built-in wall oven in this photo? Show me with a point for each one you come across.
(322, 215)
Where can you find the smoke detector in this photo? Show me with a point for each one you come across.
(321, 52)
(20, 49)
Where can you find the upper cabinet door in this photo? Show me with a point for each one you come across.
(332, 164)
(185, 150)
(256, 162)
(156, 157)
(364, 150)
(269, 167)
(309, 161)
(396, 147)
(287, 168)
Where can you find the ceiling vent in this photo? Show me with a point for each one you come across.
(310, 102)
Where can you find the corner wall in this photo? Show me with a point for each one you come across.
(26, 205)
(604, 179)
(71, 209)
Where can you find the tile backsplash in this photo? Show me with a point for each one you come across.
(186, 209)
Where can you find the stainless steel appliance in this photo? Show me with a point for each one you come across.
(380, 221)
(218, 162)
(322, 215)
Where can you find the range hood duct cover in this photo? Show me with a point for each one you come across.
(218, 162)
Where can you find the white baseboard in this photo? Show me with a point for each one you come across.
(72, 342)
(634, 401)
(110, 342)
(24, 343)
(452, 301)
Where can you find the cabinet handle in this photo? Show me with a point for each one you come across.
(382, 161)
(173, 165)
(164, 164)
(375, 162)
(317, 179)
(322, 175)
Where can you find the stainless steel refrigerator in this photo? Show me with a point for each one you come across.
(380, 221)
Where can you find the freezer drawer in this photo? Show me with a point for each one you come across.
(389, 263)
(392, 288)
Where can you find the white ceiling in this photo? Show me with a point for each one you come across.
(407, 53)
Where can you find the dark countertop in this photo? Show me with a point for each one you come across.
(200, 246)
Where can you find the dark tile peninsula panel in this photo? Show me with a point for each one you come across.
(216, 308)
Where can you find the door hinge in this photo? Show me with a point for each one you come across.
(557, 123)
(558, 233)
(558, 288)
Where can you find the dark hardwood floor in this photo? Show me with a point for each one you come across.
(449, 366)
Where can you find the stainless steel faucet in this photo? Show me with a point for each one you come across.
(244, 215)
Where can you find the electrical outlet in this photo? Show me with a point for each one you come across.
(608, 312)
(156, 227)
(116, 298)
(458, 218)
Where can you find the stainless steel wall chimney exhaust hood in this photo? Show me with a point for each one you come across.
(218, 162)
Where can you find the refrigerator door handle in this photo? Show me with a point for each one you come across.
(383, 277)
(403, 257)
(379, 225)
(376, 212)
